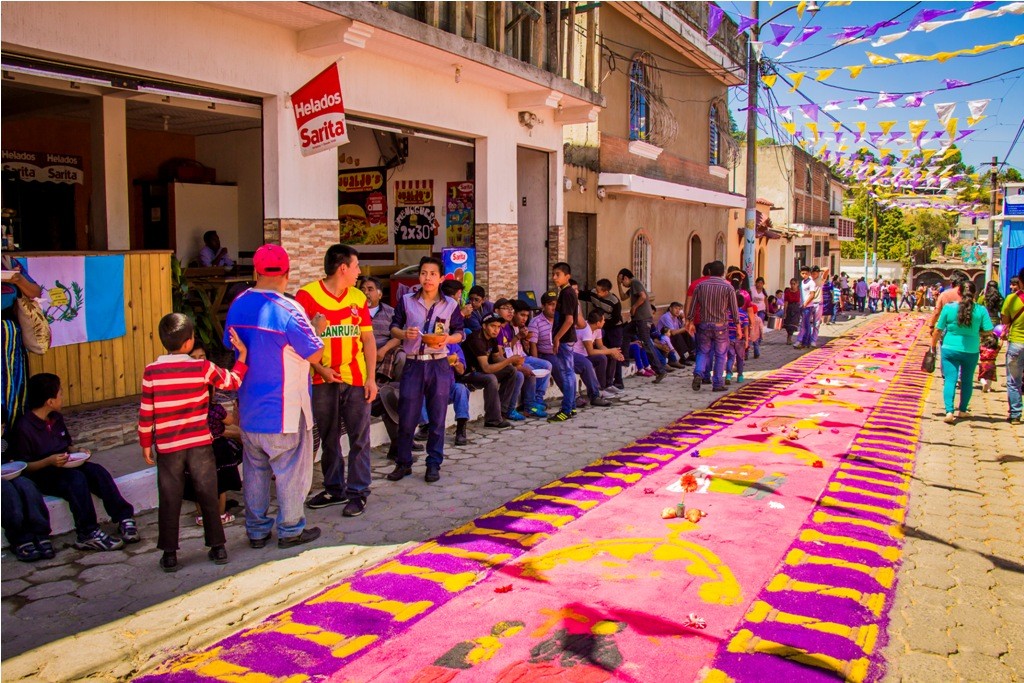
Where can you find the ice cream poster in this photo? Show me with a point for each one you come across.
(460, 200)
(363, 206)
(460, 264)
(415, 221)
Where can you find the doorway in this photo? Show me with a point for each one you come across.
(532, 184)
(696, 265)
(582, 239)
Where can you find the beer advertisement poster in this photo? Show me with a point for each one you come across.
(460, 209)
(415, 219)
(363, 206)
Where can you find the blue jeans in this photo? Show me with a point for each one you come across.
(807, 316)
(458, 397)
(712, 338)
(535, 363)
(566, 369)
(430, 381)
(958, 365)
(735, 355)
(334, 405)
(288, 459)
(640, 356)
(24, 515)
(643, 333)
(1014, 370)
(585, 369)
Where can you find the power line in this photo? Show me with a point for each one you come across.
(1013, 144)
(836, 47)
(912, 92)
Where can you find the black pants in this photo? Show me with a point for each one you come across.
(170, 482)
(496, 394)
(338, 405)
(613, 340)
(24, 514)
(682, 343)
(77, 485)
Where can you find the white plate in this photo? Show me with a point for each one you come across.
(8, 274)
(541, 372)
(76, 459)
(10, 470)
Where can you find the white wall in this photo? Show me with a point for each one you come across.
(198, 208)
(533, 186)
(238, 158)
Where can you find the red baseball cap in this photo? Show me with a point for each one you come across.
(270, 259)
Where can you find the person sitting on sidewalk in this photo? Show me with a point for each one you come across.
(390, 357)
(174, 433)
(540, 328)
(508, 345)
(25, 518)
(603, 299)
(533, 403)
(481, 308)
(673, 321)
(42, 440)
(605, 360)
(484, 357)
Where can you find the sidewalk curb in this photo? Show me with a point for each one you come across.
(128, 647)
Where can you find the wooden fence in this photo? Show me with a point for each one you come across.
(112, 369)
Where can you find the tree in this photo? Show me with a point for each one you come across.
(930, 230)
(893, 234)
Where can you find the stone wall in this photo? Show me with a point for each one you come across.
(558, 249)
(497, 254)
(306, 241)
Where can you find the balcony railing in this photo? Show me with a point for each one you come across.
(726, 39)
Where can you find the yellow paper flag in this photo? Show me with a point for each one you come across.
(854, 70)
(813, 127)
(838, 3)
(951, 127)
(800, 7)
(879, 60)
(836, 126)
(971, 120)
(927, 154)
(886, 126)
(949, 152)
(916, 127)
(883, 152)
(797, 80)
(823, 74)
(769, 80)
(790, 127)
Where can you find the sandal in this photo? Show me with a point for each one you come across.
(28, 552)
(46, 549)
(227, 518)
(199, 520)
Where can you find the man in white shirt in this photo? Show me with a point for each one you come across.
(605, 360)
(586, 367)
(212, 254)
(810, 295)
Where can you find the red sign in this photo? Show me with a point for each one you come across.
(319, 112)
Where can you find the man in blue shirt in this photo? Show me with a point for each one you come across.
(276, 417)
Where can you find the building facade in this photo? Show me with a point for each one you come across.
(647, 187)
(805, 193)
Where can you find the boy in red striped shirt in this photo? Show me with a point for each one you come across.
(172, 419)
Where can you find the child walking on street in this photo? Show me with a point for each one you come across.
(987, 363)
(174, 433)
(739, 334)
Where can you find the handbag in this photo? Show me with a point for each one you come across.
(928, 363)
(35, 329)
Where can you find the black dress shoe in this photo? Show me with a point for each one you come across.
(432, 475)
(307, 535)
(400, 472)
(169, 561)
(461, 439)
(218, 554)
(259, 542)
(422, 433)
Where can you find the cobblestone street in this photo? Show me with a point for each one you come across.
(957, 614)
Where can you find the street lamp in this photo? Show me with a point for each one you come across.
(753, 71)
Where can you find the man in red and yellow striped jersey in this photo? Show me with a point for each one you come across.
(343, 380)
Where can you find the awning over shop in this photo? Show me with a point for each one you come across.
(627, 183)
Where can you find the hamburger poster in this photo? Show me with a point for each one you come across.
(363, 206)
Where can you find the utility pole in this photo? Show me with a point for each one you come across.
(874, 245)
(990, 256)
(753, 73)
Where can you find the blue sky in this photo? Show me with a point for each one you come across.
(993, 135)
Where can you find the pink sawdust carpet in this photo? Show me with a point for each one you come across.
(787, 573)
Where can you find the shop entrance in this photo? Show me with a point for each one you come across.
(532, 182)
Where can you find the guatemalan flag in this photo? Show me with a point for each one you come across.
(83, 296)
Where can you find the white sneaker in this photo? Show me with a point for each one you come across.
(611, 391)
